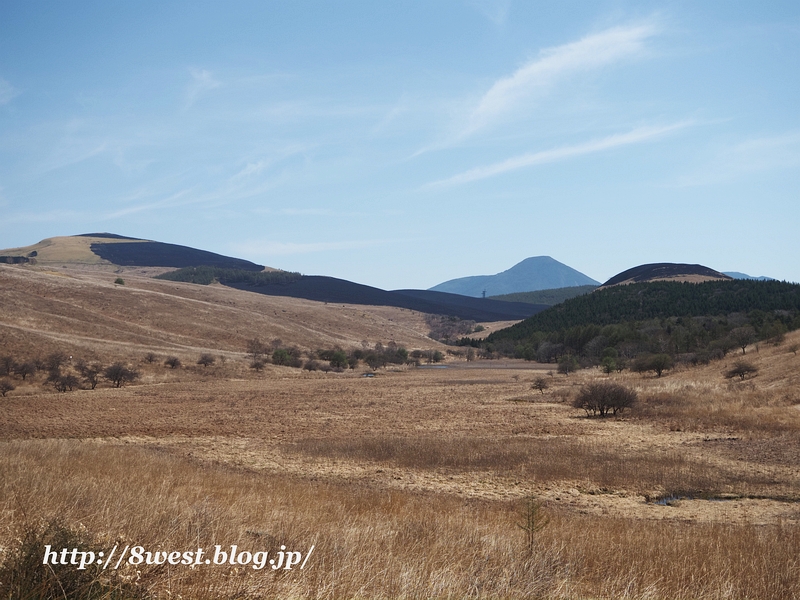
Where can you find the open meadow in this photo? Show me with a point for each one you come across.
(443, 481)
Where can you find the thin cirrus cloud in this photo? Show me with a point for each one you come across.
(756, 155)
(639, 135)
(7, 92)
(552, 64)
(202, 82)
(271, 248)
(494, 10)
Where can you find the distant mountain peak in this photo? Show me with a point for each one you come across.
(738, 275)
(529, 275)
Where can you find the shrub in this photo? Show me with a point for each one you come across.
(741, 369)
(258, 364)
(25, 369)
(118, 374)
(7, 365)
(287, 357)
(150, 358)
(206, 360)
(55, 361)
(533, 521)
(281, 357)
(173, 362)
(256, 348)
(90, 373)
(609, 365)
(541, 384)
(66, 383)
(435, 356)
(568, 364)
(119, 281)
(338, 359)
(602, 398)
(658, 363)
(311, 365)
(5, 387)
(22, 574)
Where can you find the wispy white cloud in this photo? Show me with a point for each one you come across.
(494, 10)
(732, 162)
(73, 152)
(202, 81)
(591, 52)
(255, 168)
(171, 201)
(272, 248)
(7, 92)
(317, 212)
(49, 216)
(641, 134)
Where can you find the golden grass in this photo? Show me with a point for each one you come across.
(593, 464)
(372, 543)
(65, 249)
(85, 314)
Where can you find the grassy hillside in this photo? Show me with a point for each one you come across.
(112, 249)
(547, 297)
(80, 311)
(331, 289)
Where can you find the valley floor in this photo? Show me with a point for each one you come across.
(420, 483)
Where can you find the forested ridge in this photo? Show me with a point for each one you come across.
(659, 300)
(691, 321)
(206, 275)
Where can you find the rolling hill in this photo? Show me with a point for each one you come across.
(738, 275)
(113, 249)
(666, 272)
(200, 266)
(532, 274)
(548, 297)
(79, 310)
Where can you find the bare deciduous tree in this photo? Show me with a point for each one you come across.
(206, 360)
(119, 374)
(603, 398)
(741, 369)
(541, 384)
(90, 372)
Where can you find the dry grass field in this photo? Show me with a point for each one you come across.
(410, 484)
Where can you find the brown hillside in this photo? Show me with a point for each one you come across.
(80, 310)
(666, 272)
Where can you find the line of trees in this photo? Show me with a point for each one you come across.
(66, 376)
(334, 359)
(63, 377)
(206, 275)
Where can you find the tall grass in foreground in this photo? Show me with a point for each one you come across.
(372, 543)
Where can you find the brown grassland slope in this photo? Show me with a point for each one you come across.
(81, 311)
(410, 484)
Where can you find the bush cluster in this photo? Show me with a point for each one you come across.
(603, 398)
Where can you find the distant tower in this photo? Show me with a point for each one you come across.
(484, 293)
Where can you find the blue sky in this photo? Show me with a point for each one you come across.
(401, 144)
